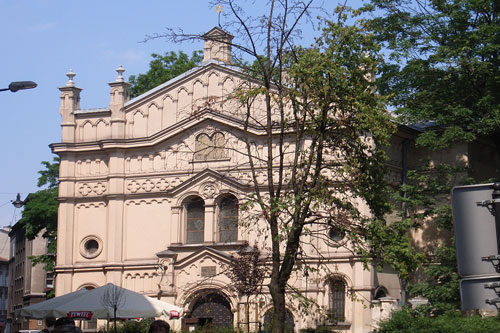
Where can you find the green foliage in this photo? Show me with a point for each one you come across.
(444, 66)
(39, 215)
(425, 197)
(441, 284)
(393, 244)
(162, 69)
(129, 326)
(408, 321)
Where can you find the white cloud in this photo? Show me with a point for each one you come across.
(131, 55)
(45, 26)
(128, 56)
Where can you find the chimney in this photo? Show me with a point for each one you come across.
(217, 45)
(70, 101)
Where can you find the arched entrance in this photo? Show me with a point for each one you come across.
(209, 307)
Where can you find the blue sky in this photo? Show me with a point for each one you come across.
(42, 39)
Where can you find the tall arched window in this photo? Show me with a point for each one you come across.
(336, 302)
(195, 221)
(210, 147)
(228, 219)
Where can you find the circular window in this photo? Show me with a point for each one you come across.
(336, 235)
(91, 247)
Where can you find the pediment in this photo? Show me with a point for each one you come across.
(208, 184)
(203, 255)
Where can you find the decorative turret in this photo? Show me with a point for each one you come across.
(217, 45)
(120, 94)
(70, 101)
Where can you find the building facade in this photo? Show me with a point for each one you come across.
(144, 204)
(27, 283)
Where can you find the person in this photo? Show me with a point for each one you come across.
(66, 325)
(159, 326)
(67, 329)
(50, 323)
(65, 321)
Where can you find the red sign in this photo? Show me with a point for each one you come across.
(80, 314)
(174, 314)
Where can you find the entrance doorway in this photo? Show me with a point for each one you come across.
(209, 308)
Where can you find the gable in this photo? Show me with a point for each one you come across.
(203, 87)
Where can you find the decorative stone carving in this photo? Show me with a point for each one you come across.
(84, 190)
(133, 186)
(91, 189)
(208, 190)
(149, 185)
(99, 189)
(162, 184)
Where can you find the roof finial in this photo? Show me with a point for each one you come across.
(218, 10)
(120, 71)
(70, 76)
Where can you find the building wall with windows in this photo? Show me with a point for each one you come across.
(27, 283)
(150, 196)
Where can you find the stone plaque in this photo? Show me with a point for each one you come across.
(208, 271)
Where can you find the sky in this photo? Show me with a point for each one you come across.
(41, 40)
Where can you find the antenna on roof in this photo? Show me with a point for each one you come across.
(218, 10)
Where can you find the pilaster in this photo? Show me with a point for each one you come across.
(120, 94)
(70, 101)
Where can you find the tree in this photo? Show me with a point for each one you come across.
(426, 195)
(444, 66)
(114, 297)
(162, 69)
(246, 272)
(442, 71)
(39, 215)
(320, 102)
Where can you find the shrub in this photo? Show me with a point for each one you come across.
(408, 321)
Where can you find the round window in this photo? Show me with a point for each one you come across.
(336, 235)
(91, 247)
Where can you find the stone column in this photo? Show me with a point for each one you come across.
(175, 220)
(70, 101)
(209, 234)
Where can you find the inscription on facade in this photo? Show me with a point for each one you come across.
(208, 271)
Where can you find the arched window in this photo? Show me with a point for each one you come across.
(228, 219)
(210, 147)
(336, 302)
(195, 221)
(380, 292)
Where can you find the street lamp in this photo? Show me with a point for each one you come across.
(20, 85)
(18, 203)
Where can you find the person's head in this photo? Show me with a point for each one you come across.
(50, 322)
(159, 326)
(65, 321)
(67, 329)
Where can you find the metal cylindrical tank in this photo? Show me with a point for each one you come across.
(475, 231)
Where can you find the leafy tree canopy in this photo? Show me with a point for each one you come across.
(163, 68)
(40, 212)
(444, 66)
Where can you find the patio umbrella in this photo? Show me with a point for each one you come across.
(46, 308)
(103, 301)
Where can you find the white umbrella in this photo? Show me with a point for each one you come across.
(46, 308)
(101, 302)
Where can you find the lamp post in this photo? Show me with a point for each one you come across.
(20, 85)
(18, 203)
